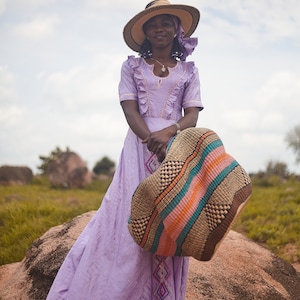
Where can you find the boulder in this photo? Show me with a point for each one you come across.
(15, 175)
(68, 170)
(240, 269)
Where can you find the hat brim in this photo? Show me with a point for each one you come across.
(133, 34)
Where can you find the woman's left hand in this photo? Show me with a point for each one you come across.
(157, 142)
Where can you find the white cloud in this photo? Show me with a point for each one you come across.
(239, 120)
(64, 91)
(10, 116)
(278, 100)
(37, 28)
(7, 86)
(2, 6)
(250, 22)
(28, 4)
(271, 121)
(84, 86)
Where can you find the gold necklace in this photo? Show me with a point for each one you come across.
(163, 68)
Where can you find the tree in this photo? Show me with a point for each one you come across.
(103, 166)
(51, 157)
(293, 140)
(277, 168)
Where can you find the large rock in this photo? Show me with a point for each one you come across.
(68, 170)
(240, 269)
(15, 175)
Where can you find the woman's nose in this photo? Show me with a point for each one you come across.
(158, 27)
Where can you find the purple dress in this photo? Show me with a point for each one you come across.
(105, 262)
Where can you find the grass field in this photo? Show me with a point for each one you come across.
(27, 212)
(270, 218)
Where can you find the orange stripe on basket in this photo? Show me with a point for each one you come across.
(178, 218)
(196, 192)
(166, 246)
(145, 237)
(170, 187)
(182, 172)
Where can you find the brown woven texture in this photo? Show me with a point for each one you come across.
(155, 206)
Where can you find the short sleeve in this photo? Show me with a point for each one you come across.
(127, 86)
(192, 94)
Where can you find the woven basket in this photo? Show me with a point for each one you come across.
(186, 207)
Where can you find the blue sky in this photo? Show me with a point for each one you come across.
(60, 67)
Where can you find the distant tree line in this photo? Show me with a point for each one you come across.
(103, 166)
(106, 165)
(279, 168)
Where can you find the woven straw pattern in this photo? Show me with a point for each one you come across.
(189, 203)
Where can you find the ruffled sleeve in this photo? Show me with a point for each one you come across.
(127, 86)
(133, 84)
(192, 94)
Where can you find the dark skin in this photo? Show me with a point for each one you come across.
(160, 31)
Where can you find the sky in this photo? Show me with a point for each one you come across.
(60, 66)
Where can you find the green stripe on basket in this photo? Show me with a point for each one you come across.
(211, 188)
(171, 206)
(156, 239)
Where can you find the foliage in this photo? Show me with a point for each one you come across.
(272, 215)
(27, 212)
(293, 140)
(46, 160)
(104, 166)
(277, 168)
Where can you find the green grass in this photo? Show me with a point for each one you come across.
(271, 217)
(27, 212)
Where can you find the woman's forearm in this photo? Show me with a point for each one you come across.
(134, 119)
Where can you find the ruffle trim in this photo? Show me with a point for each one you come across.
(134, 63)
(183, 80)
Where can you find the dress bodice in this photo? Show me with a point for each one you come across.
(160, 97)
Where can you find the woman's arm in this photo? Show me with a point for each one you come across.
(134, 119)
(157, 141)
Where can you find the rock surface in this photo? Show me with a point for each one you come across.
(68, 171)
(15, 175)
(240, 269)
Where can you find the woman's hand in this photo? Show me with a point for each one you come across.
(157, 141)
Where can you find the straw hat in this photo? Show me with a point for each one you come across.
(133, 30)
(186, 207)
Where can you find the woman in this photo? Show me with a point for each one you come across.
(105, 262)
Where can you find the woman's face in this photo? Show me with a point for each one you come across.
(160, 31)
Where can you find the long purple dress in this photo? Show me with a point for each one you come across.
(105, 262)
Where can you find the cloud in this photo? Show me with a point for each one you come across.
(279, 98)
(250, 22)
(10, 116)
(85, 86)
(2, 6)
(7, 86)
(28, 4)
(60, 87)
(40, 27)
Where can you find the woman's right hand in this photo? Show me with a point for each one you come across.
(157, 141)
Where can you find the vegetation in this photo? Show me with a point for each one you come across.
(104, 166)
(292, 138)
(46, 160)
(27, 212)
(270, 218)
(272, 215)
